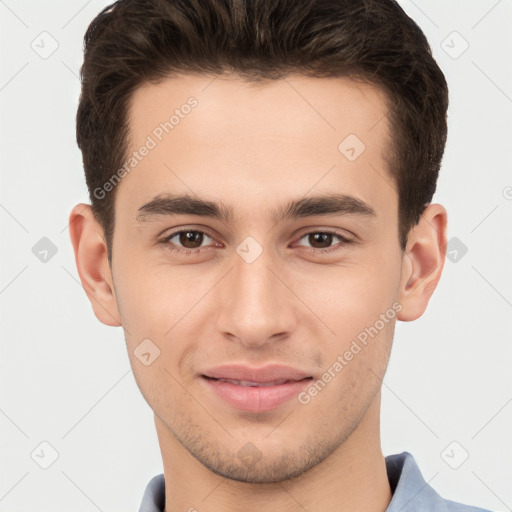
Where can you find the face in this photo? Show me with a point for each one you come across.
(249, 281)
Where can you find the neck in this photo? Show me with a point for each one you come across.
(353, 477)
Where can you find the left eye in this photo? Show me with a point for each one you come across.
(324, 237)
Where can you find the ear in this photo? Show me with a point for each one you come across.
(423, 262)
(92, 264)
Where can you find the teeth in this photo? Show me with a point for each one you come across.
(247, 383)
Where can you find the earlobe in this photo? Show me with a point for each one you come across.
(92, 264)
(423, 262)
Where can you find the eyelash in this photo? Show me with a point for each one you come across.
(172, 248)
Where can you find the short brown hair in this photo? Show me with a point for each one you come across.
(132, 42)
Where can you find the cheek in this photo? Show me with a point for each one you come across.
(349, 298)
(352, 301)
(149, 297)
(157, 310)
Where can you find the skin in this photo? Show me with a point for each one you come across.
(254, 147)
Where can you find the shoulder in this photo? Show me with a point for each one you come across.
(453, 506)
(411, 493)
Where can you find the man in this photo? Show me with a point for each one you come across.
(261, 175)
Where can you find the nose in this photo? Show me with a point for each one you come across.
(256, 305)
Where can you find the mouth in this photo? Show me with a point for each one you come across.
(259, 394)
(249, 383)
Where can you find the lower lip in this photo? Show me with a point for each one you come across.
(256, 398)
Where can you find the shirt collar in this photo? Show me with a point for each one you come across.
(411, 493)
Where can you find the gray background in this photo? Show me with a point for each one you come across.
(65, 377)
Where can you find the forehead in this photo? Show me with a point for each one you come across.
(222, 136)
(294, 106)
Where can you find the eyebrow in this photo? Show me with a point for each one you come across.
(332, 204)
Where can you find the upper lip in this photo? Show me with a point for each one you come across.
(267, 373)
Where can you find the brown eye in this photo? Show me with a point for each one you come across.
(191, 239)
(320, 240)
(323, 240)
(186, 241)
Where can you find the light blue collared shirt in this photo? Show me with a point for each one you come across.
(410, 491)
